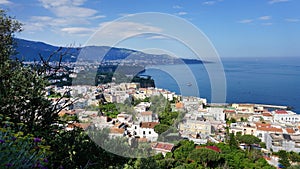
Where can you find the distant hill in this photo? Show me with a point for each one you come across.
(31, 51)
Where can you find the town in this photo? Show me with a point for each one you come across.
(193, 118)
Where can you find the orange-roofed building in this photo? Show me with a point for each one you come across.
(144, 130)
(162, 147)
(262, 124)
(290, 130)
(179, 105)
(84, 126)
(281, 112)
(262, 131)
(149, 124)
(214, 148)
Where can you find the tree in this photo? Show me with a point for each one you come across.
(249, 140)
(204, 156)
(232, 141)
(183, 150)
(8, 27)
(283, 158)
(294, 157)
(22, 91)
(160, 128)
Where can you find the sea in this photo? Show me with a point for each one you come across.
(261, 80)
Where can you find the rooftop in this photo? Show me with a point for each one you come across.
(149, 124)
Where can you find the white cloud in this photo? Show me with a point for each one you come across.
(78, 30)
(209, 2)
(127, 28)
(68, 8)
(98, 17)
(181, 13)
(5, 2)
(119, 30)
(267, 24)
(177, 7)
(265, 18)
(57, 3)
(108, 33)
(157, 37)
(292, 20)
(277, 1)
(246, 21)
(73, 11)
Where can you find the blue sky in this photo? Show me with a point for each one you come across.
(236, 28)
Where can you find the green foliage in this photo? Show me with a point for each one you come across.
(22, 91)
(204, 156)
(75, 149)
(160, 128)
(231, 120)
(8, 27)
(248, 139)
(283, 158)
(182, 152)
(262, 144)
(294, 157)
(109, 109)
(19, 150)
(232, 141)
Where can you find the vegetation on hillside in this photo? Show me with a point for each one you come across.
(29, 138)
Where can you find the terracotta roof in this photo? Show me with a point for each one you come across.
(116, 130)
(270, 129)
(82, 125)
(146, 113)
(163, 146)
(229, 111)
(263, 125)
(149, 124)
(280, 112)
(142, 140)
(267, 114)
(290, 130)
(179, 105)
(214, 148)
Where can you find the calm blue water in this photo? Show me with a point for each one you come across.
(248, 80)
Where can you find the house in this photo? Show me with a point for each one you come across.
(144, 130)
(193, 103)
(142, 107)
(243, 128)
(164, 148)
(217, 113)
(276, 142)
(116, 132)
(147, 116)
(124, 118)
(286, 116)
(243, 108)
(195, 127)
(267, 116)
(263, 130)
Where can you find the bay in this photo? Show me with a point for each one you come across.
(263, 80)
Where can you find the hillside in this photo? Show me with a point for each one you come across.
(31, 51)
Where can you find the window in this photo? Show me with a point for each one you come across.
(144, 132)
(149, 132)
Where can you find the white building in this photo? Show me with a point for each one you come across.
(286, 116)
(144, 130)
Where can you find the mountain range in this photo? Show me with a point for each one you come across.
(34, 51)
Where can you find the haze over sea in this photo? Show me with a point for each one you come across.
(265, 80)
